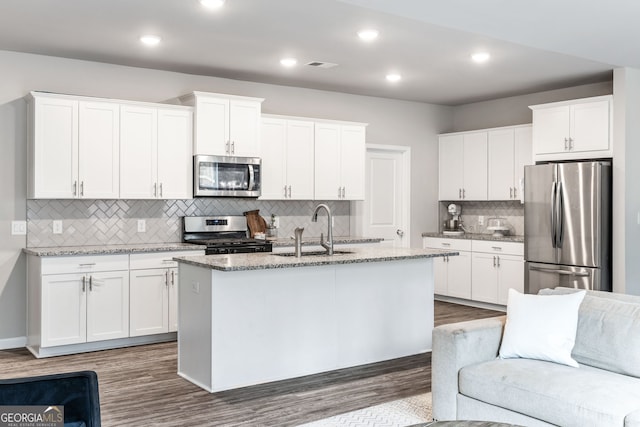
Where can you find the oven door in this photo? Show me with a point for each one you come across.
(223, 176)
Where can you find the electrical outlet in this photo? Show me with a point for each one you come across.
(18, 228)
(276, 221)
(142, 226)
(57, 227)
(481, 220)
(195, 287)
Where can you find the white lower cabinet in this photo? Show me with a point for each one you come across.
(154, 283)
(452, 273)
(484, 271)
(81, 300)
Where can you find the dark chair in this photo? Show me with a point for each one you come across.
(77, 391)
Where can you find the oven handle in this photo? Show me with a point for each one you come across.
(252, 182)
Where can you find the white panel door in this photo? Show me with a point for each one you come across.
(590, 126)
(327, 161)
(510, 275)
(148, 301)
(108, 306)
(475, 166)
(99, 150)
(244, 128)
(550, 129)
(274, 151)
(384, 200)
(485, 277)
(352, 159)
(55, 157)
(459, 275)
(175, 161)
(173, 299)
(212, 126)
(64, 309)
(300, 159)
(451, 173)
(500, 156)
(138, 152)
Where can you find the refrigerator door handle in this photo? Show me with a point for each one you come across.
(554, 187)
(561, 272)
(559, 216)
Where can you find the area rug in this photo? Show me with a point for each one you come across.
(398, 413)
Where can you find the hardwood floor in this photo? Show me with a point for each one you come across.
(139, 385)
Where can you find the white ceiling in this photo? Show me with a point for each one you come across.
(535, 45)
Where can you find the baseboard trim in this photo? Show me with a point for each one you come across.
(10, 343)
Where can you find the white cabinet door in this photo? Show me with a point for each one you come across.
(173, 299)
(327, 161)
(523, 154)
(274, 164)
(138, 152)
(475, 166)
(54, 161)
(212, 126)
(440, 276)
(510, 275)
(64, 309)
(589, 126)
(244, 128)
(352, 161)
(551, 129)
(175, 161)
(99, 150)
(459, 275)
(300, 160)
(148, 299)
(485, 277)
(451, 175)
(501, 168)
(107, 305)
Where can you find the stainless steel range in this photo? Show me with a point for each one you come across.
(221, 234)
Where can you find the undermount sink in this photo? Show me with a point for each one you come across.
(313, 253)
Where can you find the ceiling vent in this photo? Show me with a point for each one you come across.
(319, 64)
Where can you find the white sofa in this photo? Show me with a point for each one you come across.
(470, 382)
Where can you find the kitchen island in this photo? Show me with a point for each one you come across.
(247, 319)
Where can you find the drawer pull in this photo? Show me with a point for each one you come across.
(446, 244)
(496, 248)
(87, 264)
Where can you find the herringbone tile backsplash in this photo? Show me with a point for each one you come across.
(512, 211)
(113, 222)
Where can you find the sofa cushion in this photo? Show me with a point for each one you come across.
(633, 419)
(608, 334)
(541, 327)
(554, 393)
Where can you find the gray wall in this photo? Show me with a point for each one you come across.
(391, 122)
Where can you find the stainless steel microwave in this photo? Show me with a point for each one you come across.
(224, 176)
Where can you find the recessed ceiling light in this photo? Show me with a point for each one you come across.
(288, 62)
(394, 77)
(368, 34)
(480, 57)
(150, 40)
(212, 4)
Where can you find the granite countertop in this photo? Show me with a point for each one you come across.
(337, 240)
(264, 261)
(112, 249)
(474, 236)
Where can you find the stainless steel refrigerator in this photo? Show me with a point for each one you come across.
(567, 226)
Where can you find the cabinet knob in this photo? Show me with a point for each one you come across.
(160, 189)
(459, 193)
(75, 188)
(82, 188)
(511, 192)
(289, 191)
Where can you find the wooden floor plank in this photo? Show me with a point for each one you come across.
(139, 385)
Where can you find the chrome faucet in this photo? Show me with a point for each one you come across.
(328, 245)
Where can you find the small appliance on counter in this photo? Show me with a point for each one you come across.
(453, 225)
(499, 226)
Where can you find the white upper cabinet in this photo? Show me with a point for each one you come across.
(339, 161)
(463, 166)
(287, 159)
(225, 125)
(508, 151)
(73, 148)
(155, 153)
(575, 129)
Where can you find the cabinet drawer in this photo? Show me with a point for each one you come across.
(84, 264)
(494, 247)
(439, 243)
(158, 259)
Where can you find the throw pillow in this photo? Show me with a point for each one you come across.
(541, 327)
